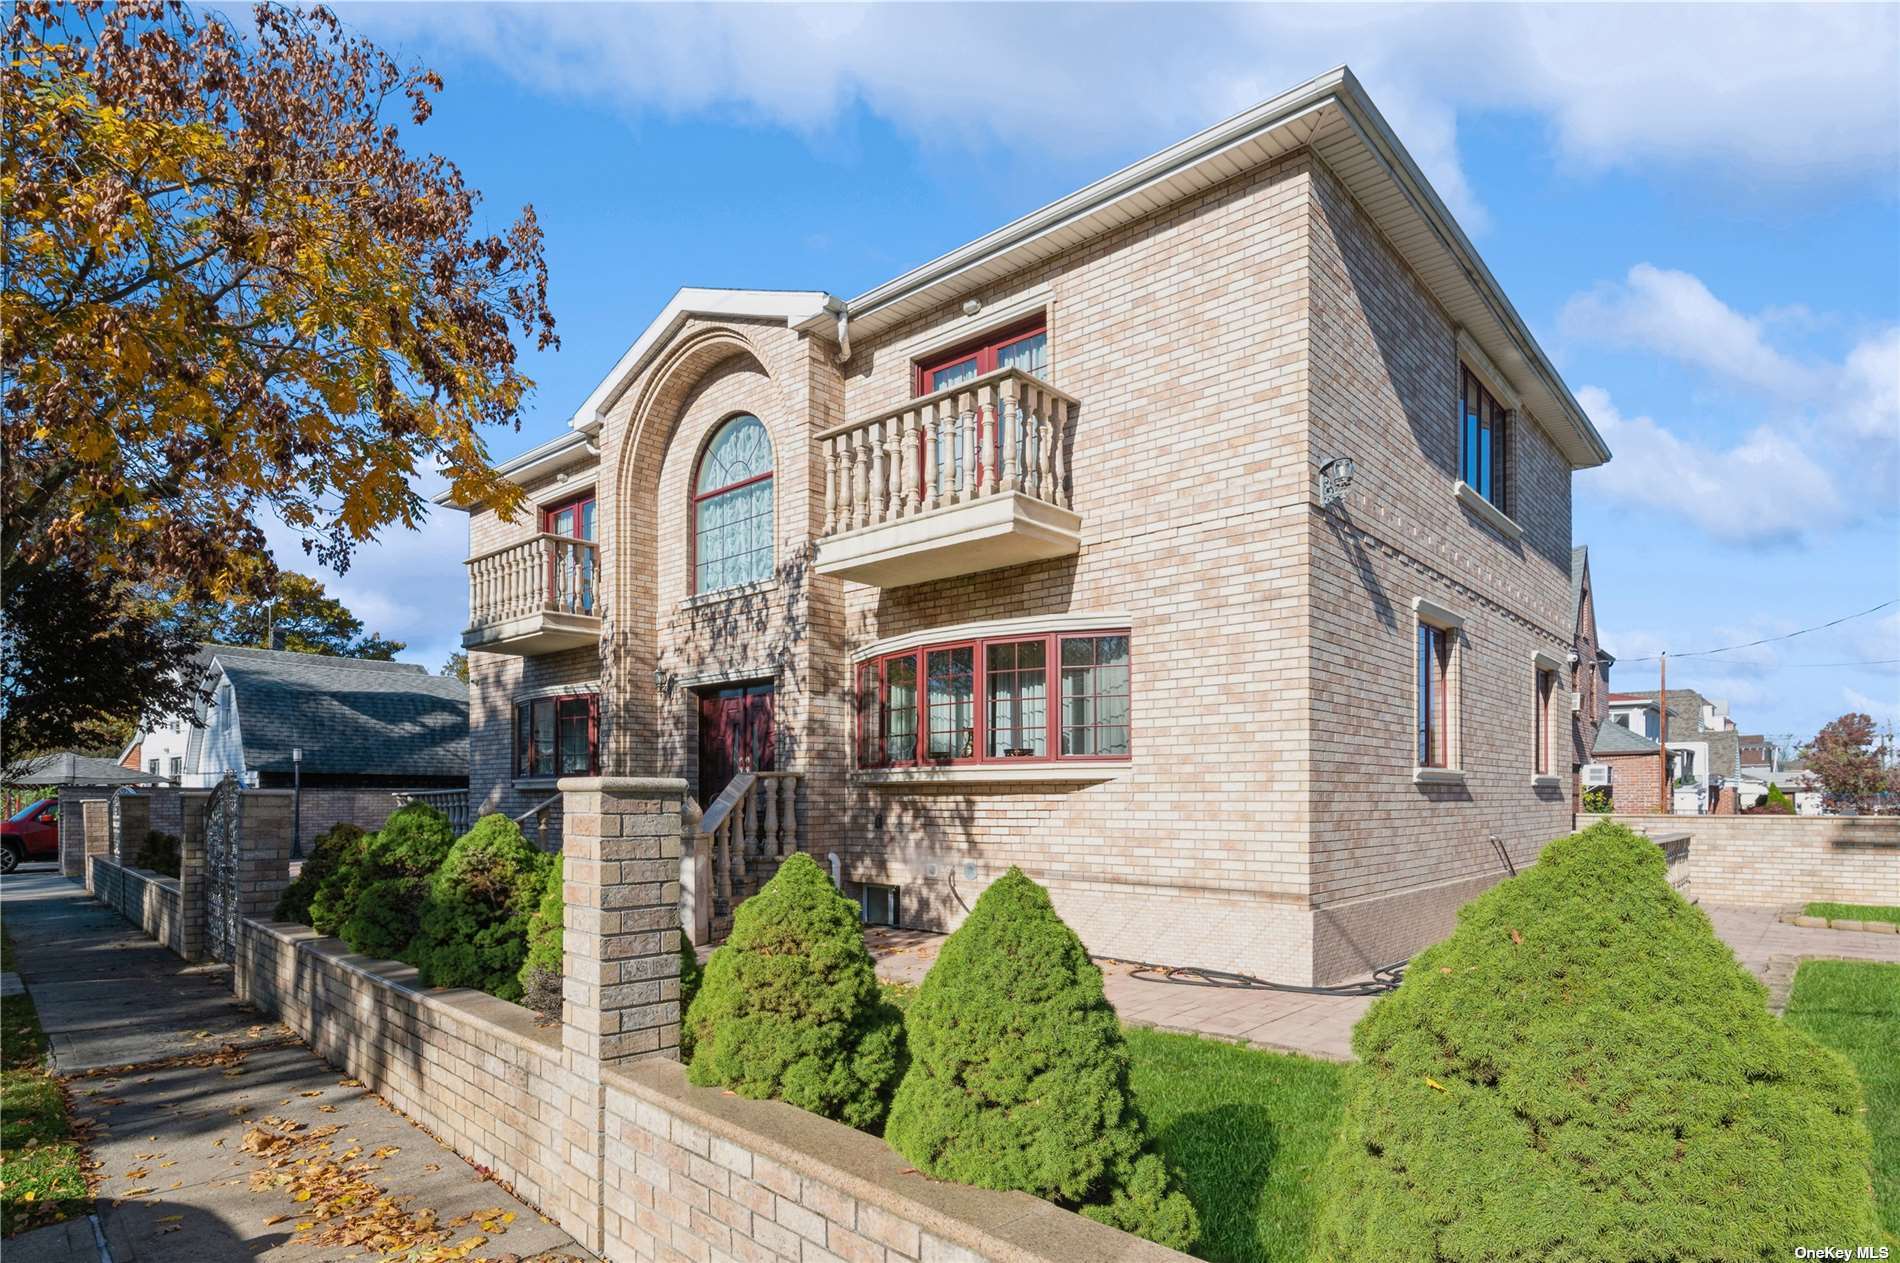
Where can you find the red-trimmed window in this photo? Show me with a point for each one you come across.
(988, 701)
(1024, 346)
(732, 507)
(558, 736)
(573, 519)
(1434, 666)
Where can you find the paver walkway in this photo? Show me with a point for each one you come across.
(1321, 1026)
(170, 1075)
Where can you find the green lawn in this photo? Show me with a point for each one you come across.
(1855, 1009)
(1852, 912)
(1248, 1131)
(41, 1179)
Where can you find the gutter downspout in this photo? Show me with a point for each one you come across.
(840, 309)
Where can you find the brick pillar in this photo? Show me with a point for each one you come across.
(621, 856)
(191, 873)
(134, 822)
(263, 850)
(72, 836)
(97, 825)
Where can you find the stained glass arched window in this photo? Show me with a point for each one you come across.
(732, 507)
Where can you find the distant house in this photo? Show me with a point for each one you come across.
(1705, 757)
(1590, 663)
(1626, 763)
(359, 723)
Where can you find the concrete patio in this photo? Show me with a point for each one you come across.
(1321, 1025)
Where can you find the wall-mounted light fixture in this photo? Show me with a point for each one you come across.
(663, 681)
(1335, 476)
(971, 306)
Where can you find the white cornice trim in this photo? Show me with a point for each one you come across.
(994, 627)
(1430, 611)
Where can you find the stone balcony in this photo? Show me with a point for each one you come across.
(536, 596)
(972, 477)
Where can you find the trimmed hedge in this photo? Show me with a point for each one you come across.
(543, 968)
(1019, 1076)
(472, 930)
(331, 849)
(790, 1007)
(691, 975)
(158, 853)
(1582, 1071)
(373, 899)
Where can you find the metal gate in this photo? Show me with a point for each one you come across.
(221, 871)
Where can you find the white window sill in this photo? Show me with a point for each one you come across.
(1493, 516)
(1438, 776)
(1545, 782)
(721, 595)
(992, 774)
(537, 782)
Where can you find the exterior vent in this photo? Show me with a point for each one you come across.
(1596, 774)
(878, 905)
(1576, 703)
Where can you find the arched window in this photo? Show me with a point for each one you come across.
(732, 507)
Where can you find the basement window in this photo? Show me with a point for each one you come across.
(878, 904)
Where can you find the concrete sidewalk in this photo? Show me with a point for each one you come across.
(208, 1121)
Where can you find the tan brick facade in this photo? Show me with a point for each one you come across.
(1221, 348)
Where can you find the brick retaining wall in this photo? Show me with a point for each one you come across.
(1786, 860)
(477, 1071)
(146, 899)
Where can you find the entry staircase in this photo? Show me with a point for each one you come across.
(738, 843)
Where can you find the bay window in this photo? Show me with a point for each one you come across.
(987, 700)
(557, 736)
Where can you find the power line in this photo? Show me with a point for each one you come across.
(1769, 640)
(1793, 666)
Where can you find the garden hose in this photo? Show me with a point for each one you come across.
(1384, 979)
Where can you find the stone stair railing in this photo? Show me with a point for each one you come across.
(545, 573)
(999, 433)
(753, 822)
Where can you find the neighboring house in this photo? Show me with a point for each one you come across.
(360, 724)
(1626, 763)
(1590, 664)
(1761, 757)
(1021, 558)
(1704, 746)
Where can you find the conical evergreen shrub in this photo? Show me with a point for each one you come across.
(376, 902)
(544, 968)
(790, 1007)
(340, 844)
(473, 927)
(1018, 1076)
(1583, 1072)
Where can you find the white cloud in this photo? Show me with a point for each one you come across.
(1885, 710)
(1764, 489)
(1674, 314)
(1798, 96)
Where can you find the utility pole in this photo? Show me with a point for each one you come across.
(1667, 794)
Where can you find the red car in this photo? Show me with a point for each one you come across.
(32, 833)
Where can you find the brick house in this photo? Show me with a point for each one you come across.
(1021, 558)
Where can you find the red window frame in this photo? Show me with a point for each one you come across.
(873, 701)
(1434, 666)
(549, 513)
(986, 351)
(526, 757)
(692, 508)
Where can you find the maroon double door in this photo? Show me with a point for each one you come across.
(735, 735)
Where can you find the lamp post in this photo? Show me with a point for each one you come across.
(296, 802)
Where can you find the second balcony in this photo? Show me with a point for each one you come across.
(972, 477)
(536, 596)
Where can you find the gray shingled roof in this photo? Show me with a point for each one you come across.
(67, 768)
(349, 715)
(1616, 739)
(1579, 558)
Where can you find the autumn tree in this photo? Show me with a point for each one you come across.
(301, 617)
(457, 666)
(1850, 762)
(82, 660)
(231, 292)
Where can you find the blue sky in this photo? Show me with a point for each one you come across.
(1696, 210)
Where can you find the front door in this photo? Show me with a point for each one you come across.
(735, 735)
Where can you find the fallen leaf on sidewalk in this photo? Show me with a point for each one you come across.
(312, 1092)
